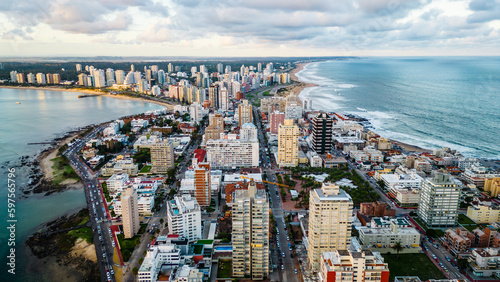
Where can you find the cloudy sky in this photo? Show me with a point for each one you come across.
(249, 28)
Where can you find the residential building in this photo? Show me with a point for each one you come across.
(202, 184)
(376, 237)
(245, 113)
(125, 166)
(377, 209)
(184, 217)
(492, 185)
(130, 212)
(484, 210)
(162, 157)
(314, 159)
(276, 119)
(477, 175)
(288, 144)
(250, 233)
(350, 266)
(40, 78)
(293, 111)
(459, 240)
(330, 220)
(232, 153)
(439, 200)
(485, 262)
(196, 112)
(116, 182)
(322, 133)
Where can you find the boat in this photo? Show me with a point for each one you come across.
(18, 102)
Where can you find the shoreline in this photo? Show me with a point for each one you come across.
(409, 148)
(93, 93)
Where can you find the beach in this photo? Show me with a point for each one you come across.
(95, 93)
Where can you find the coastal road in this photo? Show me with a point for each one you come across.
(103, 240)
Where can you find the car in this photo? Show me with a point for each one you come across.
(112, 271)
(295, 270)
(283, 254)
(282, 267)
(103, 255)
(113, 243)
(288, 239)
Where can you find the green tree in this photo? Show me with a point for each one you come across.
(135, 270)
(398, 248)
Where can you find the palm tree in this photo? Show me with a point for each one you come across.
(398, 248)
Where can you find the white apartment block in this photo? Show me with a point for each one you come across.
(158, 256)
(314, 159)
(386, 237)
(410, 180)
(184, 217)
(439, 200)
(125, 166)
(349, 266)
(117, 182)
(330, 220)
(229, 153)
(130, 212)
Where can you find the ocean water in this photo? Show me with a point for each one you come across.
(431, 102)
(42, 116)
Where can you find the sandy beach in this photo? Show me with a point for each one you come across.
(93, 92)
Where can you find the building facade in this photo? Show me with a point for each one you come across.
(162, 157)
(229, 153)
(184, 217)
(245, 113)
(348, 266)
(288, 144)
(330, 220)
(250, 234)
(439, 200)
(130, 212)
(322, 133)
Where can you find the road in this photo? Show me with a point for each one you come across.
(103, 240)
(441, 254)
(281, 252)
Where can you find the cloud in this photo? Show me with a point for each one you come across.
(89, 17)
(17, 33)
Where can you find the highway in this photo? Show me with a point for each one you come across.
(103, 242)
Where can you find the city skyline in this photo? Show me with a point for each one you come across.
(236, 28)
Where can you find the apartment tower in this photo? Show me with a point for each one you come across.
(322, 133)
(330, 220)
(250, 234)
(288, 144)
(130, 212)
(245, 113)
(439, 200)
(162, 157)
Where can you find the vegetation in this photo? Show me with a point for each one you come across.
(127, 246)
(224, 235)
(142, 156)
(398, 248)
(85, 233)
(62, 170)
(224, 268)
(104, 186)
(145, 169)
(412, 265)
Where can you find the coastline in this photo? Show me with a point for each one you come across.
(94, 93)
(301, 85)
(409, 148)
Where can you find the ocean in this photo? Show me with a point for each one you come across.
(41, 116)
(431, 102)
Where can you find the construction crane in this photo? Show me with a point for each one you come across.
(279, 184)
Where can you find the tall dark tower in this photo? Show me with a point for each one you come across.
(322, 133)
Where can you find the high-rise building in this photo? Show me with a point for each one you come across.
(195, 112)
(259, 67)
(132, 68)
(276, 118)
(120, 76)
(250, 234)
(202, 184)
(130, 212)
(56, 78)
(184, 217)
(110, 77)
(322, 133)
(40, 78)
(170, 68)
(162, 157)
(345, 265)
(213, 96)
(248, 131)
(232, 153)
(49, 78)
(31, 78)
(220, 68)
(82, 79)
(330, 220)
(161, 77)
(288, 144)
(439, 200)
(21, 78)
(228, 69)
(307, 104)
(245, 113)
(224, 99)
(78, 67)
(99, 78)
(13, 76)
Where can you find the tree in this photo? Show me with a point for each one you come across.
(161, 220)
(398, 248)
(135, 270)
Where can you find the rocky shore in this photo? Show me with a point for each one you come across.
(62, 256)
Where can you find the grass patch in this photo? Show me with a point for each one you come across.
(463, 219)
(198, 249)
(145, 169)
(62, 170)
(142, 229)
(85, 233)
(420, 223)
(412, 265)
(205, 242)
(224, 268)
(127, 246)
(266, 93)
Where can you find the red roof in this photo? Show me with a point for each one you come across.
(199, 154)
(173, 236)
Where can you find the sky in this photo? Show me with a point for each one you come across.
(250, 28)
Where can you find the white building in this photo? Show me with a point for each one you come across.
(386, 237)
(411, 180)
(229, 153)
(184, 217)
(314, 159)
(117, 182)
(196, 112)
